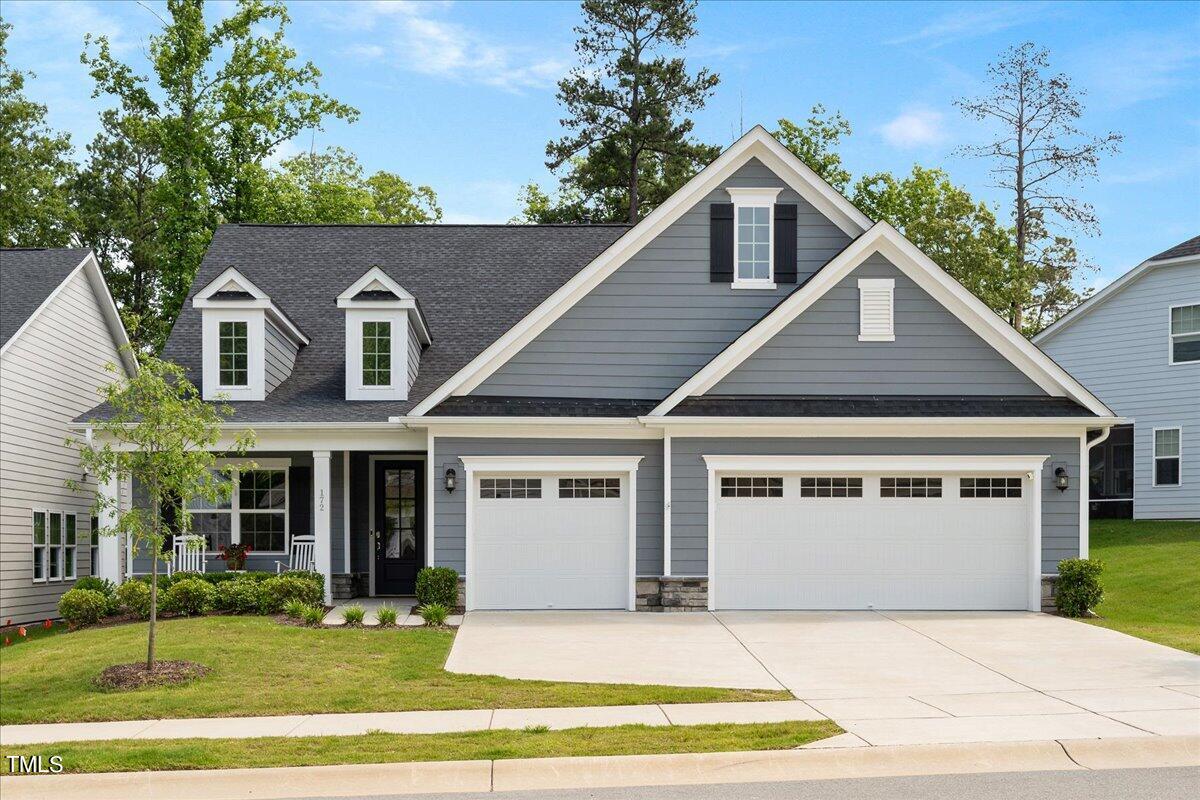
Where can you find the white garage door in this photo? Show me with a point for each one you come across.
(547, 540)
(871, 540)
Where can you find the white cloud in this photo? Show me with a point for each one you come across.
(973, 21)
(917, 127)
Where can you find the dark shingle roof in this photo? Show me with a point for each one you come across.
(27, 277)
(1189, 248)
(475, 406)
(473, 283)
(878, 406)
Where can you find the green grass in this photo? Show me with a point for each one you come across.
(10, 635)
(127, 755)
(260, 667)
(1151, 579)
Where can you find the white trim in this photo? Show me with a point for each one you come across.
(1171, 335)
(1085, 470)
(403, 299)
(756, 143)
(45, 545)
(397, 320)
(346, 512)
(666, 505)
(322, 529)
(430, 497)
(383, 455)
(884, 239)
(217, 284)
(260, 302)
(754, 198)
(877, 288)
(255, 387)
(1154, 457)
(236, 468)
(1035, 539)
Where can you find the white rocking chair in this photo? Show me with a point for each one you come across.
(302, 556)
(190, 555)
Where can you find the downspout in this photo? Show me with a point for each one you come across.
(1085, 447)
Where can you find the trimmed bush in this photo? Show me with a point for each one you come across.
(274, 592)
(236, 597)
(294, 609)
(437, 585)
(354, 615)
(313, 615)
(1078, 589)
(95, 584)
(434, 614)
(82, 606)
(387, 616)
(189, 597)
(134, 597)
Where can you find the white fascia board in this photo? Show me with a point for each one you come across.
(373, 275)
(756, 143)
(259, 300)
(734, 463)
(875, 428)
(230, 274)
(551, 463)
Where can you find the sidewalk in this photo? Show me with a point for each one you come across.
(411, 722)
(609, 771)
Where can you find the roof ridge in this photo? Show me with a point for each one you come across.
(514, 226)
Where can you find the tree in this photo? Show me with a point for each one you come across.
(162, 435)
(816, 144)
(628, 146)
(1037, 155)
(35, 165)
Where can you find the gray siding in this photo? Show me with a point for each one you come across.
(689, 484)
(414, 351)
(1119, 350)
(934, 352)
(450, 508)
(655, 321)
(280, 354)
(50, 374)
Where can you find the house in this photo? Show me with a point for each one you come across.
(753, 398)
(1136, 345)
(59, 329)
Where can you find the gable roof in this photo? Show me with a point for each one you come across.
(884, 239)
(463, 275)
(1182, 253)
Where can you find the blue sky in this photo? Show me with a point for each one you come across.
(461, 95)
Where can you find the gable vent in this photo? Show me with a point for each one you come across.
(876, 310)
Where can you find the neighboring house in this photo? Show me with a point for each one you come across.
(753, 398)
(1136, 345)
(59, 329)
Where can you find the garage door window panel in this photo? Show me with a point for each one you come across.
(831, 487)
(593, 488)
(752, 486)
(910, 487)
(989, 487)
(510, 488)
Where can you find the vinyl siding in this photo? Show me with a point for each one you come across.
(280, 354)
(689, 483)
(656, 320)
(414, 351)
(50, 375)
(819, 353)
(450, 507)
(1119, 350)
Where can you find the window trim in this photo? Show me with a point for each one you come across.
(93, 543)
(363, 321)
(235, 509)
(769, 487)
(1154, 457)
(974, 488)
(45, 545)
(855, 487)
(754, 198)
(867, 287)
(241, 387)
(573, 490)
(526, 487)
(73, 547)
(1171, 339)
(929, 484)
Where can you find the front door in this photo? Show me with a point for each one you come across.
(399, 517)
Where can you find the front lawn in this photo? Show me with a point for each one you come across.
(260, 667)
(1151, 579)
(127, 755)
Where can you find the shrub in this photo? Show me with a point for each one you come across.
(82, 606)
(236, 597)
(387, 615)
(1078, 586)
(95, 584)
(189, 597)
(294, 609)
(437, 585)
(274, 592)
(313, 615)
(354, 615)
(134, 597)
(434, 614)
(217, 578)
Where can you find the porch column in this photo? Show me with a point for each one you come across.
(321, 519)
(108, 555)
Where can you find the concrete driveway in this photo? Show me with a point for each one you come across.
(886, 677)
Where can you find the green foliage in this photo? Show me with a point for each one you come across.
(238, 596)
(312, 615)
(387, 615)
(134, 597)
(354, 615)
(274, 593)
(189, 597)
(437, 585)
(294, 608)
(434, 614)
(82, 606)
(816, 144)
(96, 584)
(1078, 589)
(217, 578)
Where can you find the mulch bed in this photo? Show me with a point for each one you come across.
(124, 677)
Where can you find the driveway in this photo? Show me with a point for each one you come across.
(886, 677)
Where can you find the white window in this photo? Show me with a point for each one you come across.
(589, 487)
(831, 487)
(94, 546)
(233, 353)
(753, 248)
(255, 514)
(1185, 334)
(377, 353)
(1168, 447)
(910, 487)
(510, 488)
(989, 487)
(876, 310)
(70, 532)
(39, 546)
(752, 486)
(55, 572)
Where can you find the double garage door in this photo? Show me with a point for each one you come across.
(858, 539)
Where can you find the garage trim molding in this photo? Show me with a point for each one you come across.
(477, 465)
(1031, 465)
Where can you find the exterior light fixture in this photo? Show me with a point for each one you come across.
(1061, 480)
(451, 480)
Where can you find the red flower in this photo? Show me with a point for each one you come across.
(21, 630)
(7, 640)
(47, 624)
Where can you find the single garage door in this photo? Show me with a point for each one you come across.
(871, 540)
(550, 540)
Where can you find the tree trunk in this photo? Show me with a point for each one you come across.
(153, 611)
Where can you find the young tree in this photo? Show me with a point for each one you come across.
(163, 436)
(629, 144)
(35, 165)
(816, 144)
(1038, 154)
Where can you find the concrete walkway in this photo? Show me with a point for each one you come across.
(371, 605)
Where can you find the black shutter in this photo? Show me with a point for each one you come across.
(785, 243)
(720, 243)
(300, 501)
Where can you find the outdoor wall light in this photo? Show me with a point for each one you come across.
(451, 480)
(1061, 480)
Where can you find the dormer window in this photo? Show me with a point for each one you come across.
(753, 248)
(377, 353)
(384, 336)
(233, 353)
